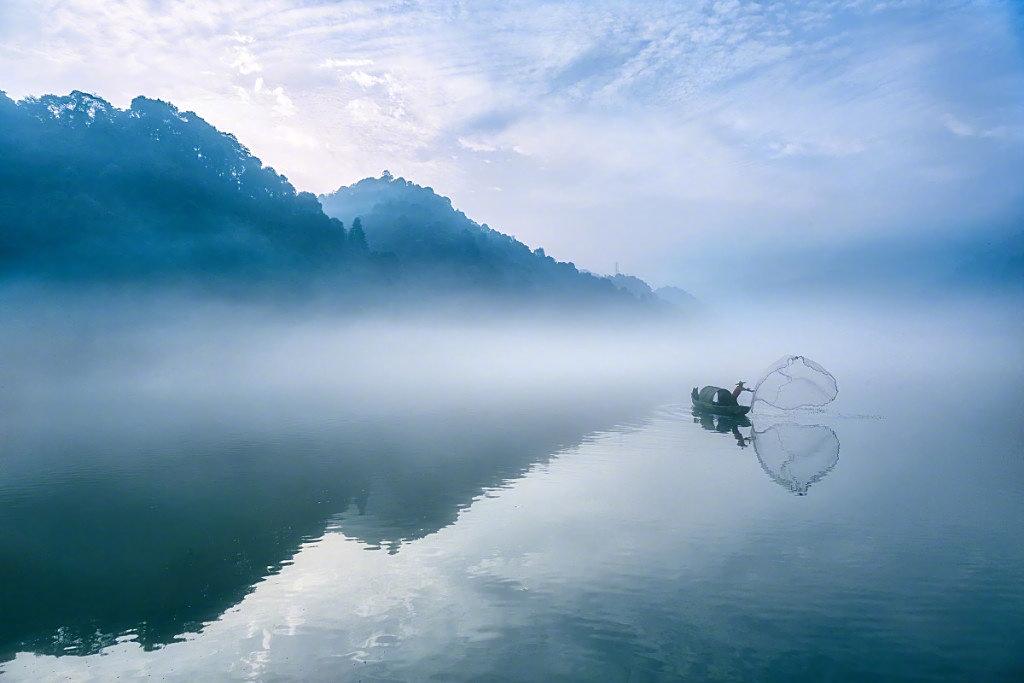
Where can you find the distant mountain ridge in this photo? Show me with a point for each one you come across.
(426, 233)
(432, 239)
(93, 193)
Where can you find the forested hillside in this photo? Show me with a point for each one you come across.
(437, 243)
(152, 194)
(89, 191)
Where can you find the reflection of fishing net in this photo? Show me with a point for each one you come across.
(796, 456)
(795, 382)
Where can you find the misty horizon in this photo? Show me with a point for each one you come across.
(898, 266)
(348, 340)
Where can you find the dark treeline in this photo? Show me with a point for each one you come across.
(96, 194)
(438, 244)
(90, 191)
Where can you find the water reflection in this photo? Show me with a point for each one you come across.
(794, 456)
(154, 524)
(724, 424)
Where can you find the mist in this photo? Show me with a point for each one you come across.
(462, 341)
(270, 428)
(214, 351)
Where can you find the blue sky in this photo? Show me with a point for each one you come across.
(657, 134)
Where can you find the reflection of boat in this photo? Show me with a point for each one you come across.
(717, 401)
(720, 423)
(796, 456)
(723, 424)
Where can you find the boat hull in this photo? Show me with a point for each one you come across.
(713, 409)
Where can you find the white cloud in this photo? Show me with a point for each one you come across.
(332, 63)
(297, 138)
(282, 104)
(703, 118)
(957, 127)
(366, 80)
(1003, 132)
(476, 145)
(364, 111)
(245, 62)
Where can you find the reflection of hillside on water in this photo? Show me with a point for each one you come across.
(422, 486)
(116, 529)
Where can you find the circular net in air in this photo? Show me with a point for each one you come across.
(796, 456)
(795, 382)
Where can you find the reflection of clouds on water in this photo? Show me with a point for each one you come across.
(254, 488)
(796, 456)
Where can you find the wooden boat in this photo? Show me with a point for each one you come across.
(717, 401)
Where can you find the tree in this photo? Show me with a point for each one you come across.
(357, 236)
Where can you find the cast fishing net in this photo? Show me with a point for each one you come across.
(795, 456)
(795, 382)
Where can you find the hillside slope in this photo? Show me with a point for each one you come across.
(91, 191)
(154, 195)
(436, 242)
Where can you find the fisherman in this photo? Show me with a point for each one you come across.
(739, 390)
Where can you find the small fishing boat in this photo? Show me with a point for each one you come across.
(717, 401)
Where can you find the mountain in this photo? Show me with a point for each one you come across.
(436, 243)
(632, 284)
(677, 297)
(90, 191)
(155, 195)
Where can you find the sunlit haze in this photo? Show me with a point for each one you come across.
(677, 139)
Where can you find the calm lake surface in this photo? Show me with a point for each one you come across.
(598, 532)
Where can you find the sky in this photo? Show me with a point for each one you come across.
(681, 140)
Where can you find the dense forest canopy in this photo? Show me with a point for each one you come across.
(435, 241)
(93, 193)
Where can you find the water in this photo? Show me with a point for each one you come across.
(588, 531)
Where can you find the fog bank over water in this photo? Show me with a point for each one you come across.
(402, 341)
(218, 472)
(222, 352)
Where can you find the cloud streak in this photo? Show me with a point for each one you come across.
(712, 123)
